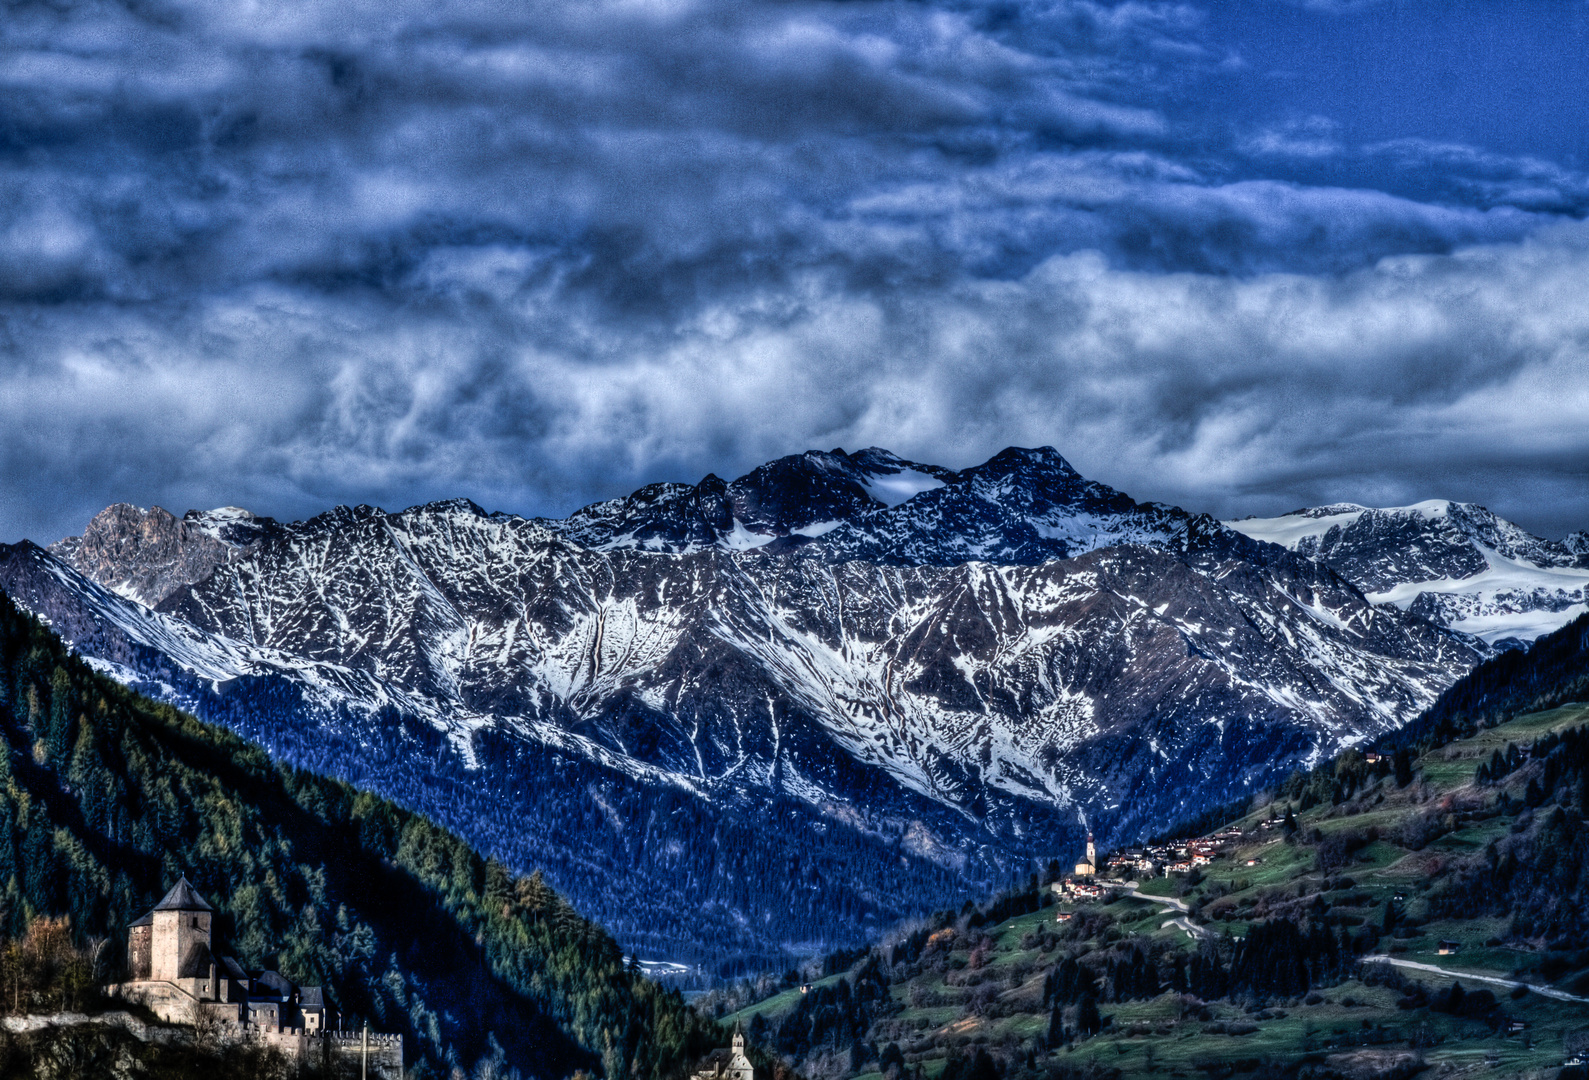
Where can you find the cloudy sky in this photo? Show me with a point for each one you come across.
(1243, 256)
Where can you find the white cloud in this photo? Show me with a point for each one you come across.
(291, 254)
(1419, 377)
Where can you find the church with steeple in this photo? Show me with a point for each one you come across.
(1088, 867)
(731, 1064)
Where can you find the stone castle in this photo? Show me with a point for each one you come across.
(174, 972)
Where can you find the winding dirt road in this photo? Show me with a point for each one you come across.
(1542, 991)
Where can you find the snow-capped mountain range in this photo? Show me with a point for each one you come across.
(1456, 564)
(1020, 508)
(724, 715)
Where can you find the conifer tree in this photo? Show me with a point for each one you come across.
(1056, 1028)
(58, 738)
(1088, 1020)
(1403, 766)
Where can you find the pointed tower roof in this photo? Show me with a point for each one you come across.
(183, 898)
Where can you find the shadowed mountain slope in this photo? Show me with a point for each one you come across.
(107, 797)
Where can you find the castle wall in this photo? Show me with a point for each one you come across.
(385, 1052)
(177, 1002)
(293, 1042)
(384, 1058)
(223, 1012)
(171, 1003)
(166, 1000)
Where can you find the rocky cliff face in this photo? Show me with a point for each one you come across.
(939, 674)
(1457, 564)
(146, 555)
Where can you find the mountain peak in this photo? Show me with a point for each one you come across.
(1023, 505)
(467, 507)
(1041, 455)
(146, 555)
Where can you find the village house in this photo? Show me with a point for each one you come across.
(174, 972)
(1078, 889)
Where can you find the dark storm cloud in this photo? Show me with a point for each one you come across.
(295, 254)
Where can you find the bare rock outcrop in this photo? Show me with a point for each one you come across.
(146, 555)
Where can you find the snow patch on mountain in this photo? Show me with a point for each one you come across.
(740, 538)
(1510, 599)
(892, 489)
(1290, 530)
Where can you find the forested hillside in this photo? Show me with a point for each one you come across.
(1382, 913)
(106, 797)
(1554, 671)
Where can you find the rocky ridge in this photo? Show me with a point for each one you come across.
(958, 668)
(1456, 564)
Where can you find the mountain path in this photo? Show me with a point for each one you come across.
(1184, 920)
(1195, 931)
(1543, 991)
(1178, 905)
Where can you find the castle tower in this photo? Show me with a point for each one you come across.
(179, 939)
(138, 948)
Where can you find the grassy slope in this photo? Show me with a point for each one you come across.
(1150, 1038)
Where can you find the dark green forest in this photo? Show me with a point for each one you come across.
(106, 797)
(1552, 671)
